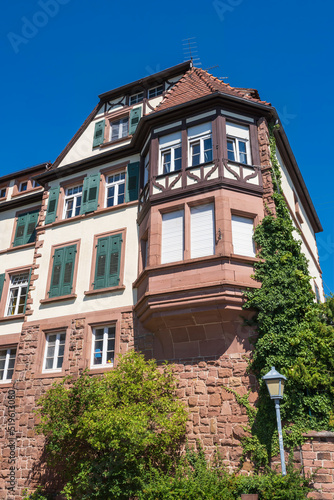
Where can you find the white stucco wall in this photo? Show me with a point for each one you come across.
(84, 229)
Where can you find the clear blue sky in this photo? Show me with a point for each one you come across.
(58, 55)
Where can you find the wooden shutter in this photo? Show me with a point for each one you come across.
(56, 279)
(98, 133)
(115, 246)
(31, 223)
(100, 280)
(52, 205)
(172, 237)
(20, 230)
(132, 182)
(2, 280)
(242, 236)
(90, 193)
(108, 261)
(135, 116)
(202, 232)
(68, 269)
(62, 271)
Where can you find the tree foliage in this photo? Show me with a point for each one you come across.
(294, 333)
(101, 433)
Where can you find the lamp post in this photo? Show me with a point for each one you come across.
(275, 386)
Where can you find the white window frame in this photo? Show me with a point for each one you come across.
(19, 287)
(72, 197)
(104, 363)
(56, 352)
(197, 135)
(116, 185)
(136, 98)
(22, 184)
(122, 131)
(239, 133)
(8, 350)
(156, 91)
(168, 145)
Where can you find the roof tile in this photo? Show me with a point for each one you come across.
(197, 83)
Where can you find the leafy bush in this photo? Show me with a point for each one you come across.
(101, 433)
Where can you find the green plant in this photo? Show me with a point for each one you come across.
(102, 433)
(293, 333)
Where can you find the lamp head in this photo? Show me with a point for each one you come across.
(275, 383)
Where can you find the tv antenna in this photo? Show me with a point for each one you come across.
(190, 51)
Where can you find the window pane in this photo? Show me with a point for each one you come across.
(166, 160)
(195, 153)
(177, 158)
(207, 150)
(48, 363)
(78, 206)
(243, 158)
(110, 196)
(230, 150)
(22, 301)
(69, 207)
(242, 147)
(60, 361)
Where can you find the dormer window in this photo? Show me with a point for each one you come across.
(136, 98)
(23, 186)
(119, 129)
(155, 91)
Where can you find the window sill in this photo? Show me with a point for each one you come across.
(12, 318)
(6, 384)
(111, 143)
(238, 163)
(212, 162)
(100, 370)
(168, 174)
(28, 191)
(105, 290)
(19, 247)
(57, 299)
(51, 374)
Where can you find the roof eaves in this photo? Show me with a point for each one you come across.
(173, 70)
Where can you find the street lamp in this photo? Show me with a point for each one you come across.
(275, 386)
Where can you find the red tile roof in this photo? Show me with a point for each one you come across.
(197, 83)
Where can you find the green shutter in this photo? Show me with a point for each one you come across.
(52, 205)
(2, 280)
(62, 271)
(55, 288)
(90, 193)
(100, 280)
(25, 303)
(132, 182)
(20, 230)
(108, 261)
(30, 234)
(26, 229)
(68, 269)
(135, 116)
(115, 245)
(98, 133)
